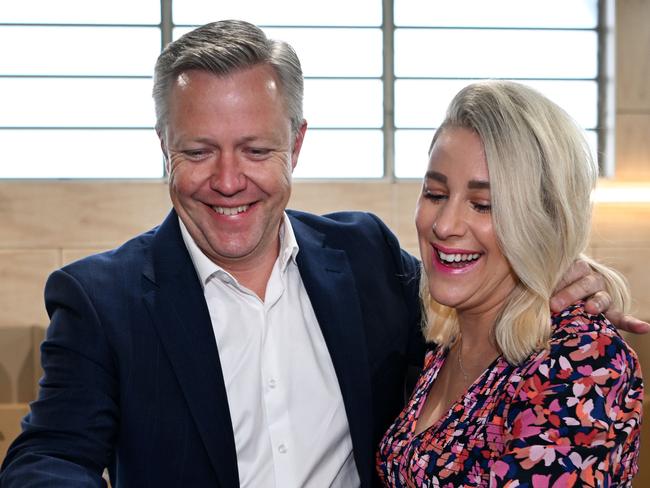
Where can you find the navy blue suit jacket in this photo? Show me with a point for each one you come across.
(132, 375)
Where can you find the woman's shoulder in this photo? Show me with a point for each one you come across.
(584, 345)
(576, 320)
(575, 329)
(576, 405)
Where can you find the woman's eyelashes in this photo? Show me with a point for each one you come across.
(438, 196)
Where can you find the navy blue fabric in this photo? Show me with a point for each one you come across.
(133, 380)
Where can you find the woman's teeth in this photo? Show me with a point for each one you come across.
(457, 258)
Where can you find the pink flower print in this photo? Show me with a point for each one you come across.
(580, 463)
(474, 475)
(535, 390)
(524, 425)
(567, 479)
(593, 349)
(541, 481)
(532, 455)
(500, 469)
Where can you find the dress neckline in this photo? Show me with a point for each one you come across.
(439, 358)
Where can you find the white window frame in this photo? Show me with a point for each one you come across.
(606, 109)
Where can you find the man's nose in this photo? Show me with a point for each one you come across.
(228, 177)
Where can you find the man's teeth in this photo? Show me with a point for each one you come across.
(231, 210)
(457, 258)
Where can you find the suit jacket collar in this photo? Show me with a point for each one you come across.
(177, 305)
(329, 281)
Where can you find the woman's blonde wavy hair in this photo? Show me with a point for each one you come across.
(541, 177)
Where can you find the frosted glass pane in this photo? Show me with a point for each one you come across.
(412, 148)
(280, 12)
(335, 52)
(412, 153)
(423, 103)
(79, 50)
(497, 13)
(344, 103)
(331, 52)
(496, 53)
(80, 154)
(80, 11)
(341, 154)
(76, 102)
(578, 98)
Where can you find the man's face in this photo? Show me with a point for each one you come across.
(230, 154)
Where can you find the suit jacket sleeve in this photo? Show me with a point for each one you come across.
(409, 275)
(67, 438)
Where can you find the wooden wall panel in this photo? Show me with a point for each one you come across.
(632, 263)
(319, 197)
(22, 278)
(623, 225)
(633, 145)
(406, 195)
(61, 214)
(632, 55)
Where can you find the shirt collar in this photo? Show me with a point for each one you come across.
(206, 268)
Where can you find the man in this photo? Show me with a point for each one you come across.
(235, 344)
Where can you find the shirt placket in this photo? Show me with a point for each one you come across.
(275, 387)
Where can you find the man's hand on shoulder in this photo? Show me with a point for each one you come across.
(583, 283)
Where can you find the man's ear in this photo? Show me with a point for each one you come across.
(297, 143)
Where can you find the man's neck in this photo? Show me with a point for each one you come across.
(255, 276)
(252, 271)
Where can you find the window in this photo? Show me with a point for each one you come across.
(75, 87)
(75, 82)
(550, 45)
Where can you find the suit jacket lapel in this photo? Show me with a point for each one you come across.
(330, 284)
(177, 306)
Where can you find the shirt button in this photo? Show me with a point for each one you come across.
(282, 449)
(272, 383)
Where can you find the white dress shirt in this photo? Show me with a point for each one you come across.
(285, 402)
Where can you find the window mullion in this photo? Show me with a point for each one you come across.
(166, 22)
(388, 78)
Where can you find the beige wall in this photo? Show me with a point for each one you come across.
(632, 163)
(46, 224)
(633, 90)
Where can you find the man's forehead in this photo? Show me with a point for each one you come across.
(182, 80)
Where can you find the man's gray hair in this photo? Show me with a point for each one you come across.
(223, 48)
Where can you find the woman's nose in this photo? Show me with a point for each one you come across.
(450, 221)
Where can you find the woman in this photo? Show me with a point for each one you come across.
(509, 397)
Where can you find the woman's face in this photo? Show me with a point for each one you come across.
(465, 267)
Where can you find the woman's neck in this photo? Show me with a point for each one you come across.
(477, 327)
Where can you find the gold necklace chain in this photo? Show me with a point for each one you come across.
(460, 361)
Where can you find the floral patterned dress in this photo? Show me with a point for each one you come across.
(568, 416)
